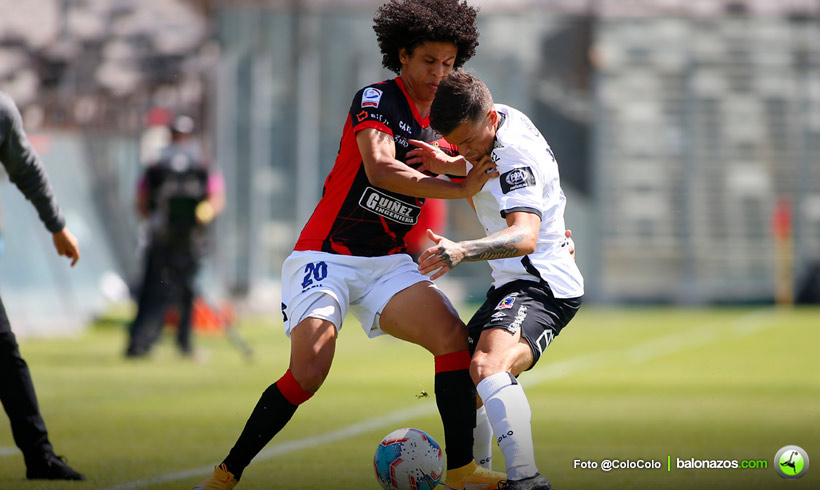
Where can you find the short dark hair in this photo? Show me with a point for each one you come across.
(408, 23)
(459, 98)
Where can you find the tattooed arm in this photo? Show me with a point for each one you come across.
(519, 238)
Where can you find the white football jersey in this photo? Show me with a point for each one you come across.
(528, 182)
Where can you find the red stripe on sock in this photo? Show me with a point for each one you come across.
(291, 390)
(454, 361)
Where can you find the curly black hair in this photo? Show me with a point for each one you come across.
(408, 23)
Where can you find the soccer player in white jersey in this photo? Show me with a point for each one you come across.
(537, 287)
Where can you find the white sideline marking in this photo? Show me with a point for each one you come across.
(740, 327)
(424, 408)
(8, 451)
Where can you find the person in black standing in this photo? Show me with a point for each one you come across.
(16, 387)
(178, 196)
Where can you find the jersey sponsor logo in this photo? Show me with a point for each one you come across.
(405, 127)
(517, 178)
(375, 116)
(506, 303)
(371, 97)
(401, 141)
(389, 207)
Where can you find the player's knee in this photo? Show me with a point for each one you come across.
(483, 365)
(310, 376)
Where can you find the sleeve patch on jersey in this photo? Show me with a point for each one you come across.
(371, 97)
(517, 178)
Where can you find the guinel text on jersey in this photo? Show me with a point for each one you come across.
(355, 217)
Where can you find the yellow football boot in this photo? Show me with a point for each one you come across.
(473, 477)
(222, 479)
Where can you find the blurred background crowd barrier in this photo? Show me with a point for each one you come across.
(687, 134)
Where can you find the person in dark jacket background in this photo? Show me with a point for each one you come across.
(178, 196)
(16, 388)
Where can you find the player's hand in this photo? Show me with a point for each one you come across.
(483, 170)
(66, 244)
(441, 258)
(433, 159)
(570, 243)
(204, 212)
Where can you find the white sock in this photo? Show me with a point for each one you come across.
(509, 412)
(483, 439)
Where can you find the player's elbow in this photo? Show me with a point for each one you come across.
(527, 247)
(378, 179)
(373, 171)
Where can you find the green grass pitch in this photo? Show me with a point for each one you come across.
(650, 384)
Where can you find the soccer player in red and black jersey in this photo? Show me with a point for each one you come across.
(372, 198)
(351, 256)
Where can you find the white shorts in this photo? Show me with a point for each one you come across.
(324, 285)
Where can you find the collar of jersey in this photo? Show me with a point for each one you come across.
(502, 118)
(424, 122)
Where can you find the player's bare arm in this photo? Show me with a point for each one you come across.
(518, 239)
(384, 170)
(433, 159)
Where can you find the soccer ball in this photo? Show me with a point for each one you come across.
(408, 459)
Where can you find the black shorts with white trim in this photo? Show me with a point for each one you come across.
(524, 305)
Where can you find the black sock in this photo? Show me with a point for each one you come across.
(271, 414)
(456, 400)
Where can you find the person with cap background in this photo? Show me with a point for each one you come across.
(178, 195)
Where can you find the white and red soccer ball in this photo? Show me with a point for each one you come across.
(408, 459)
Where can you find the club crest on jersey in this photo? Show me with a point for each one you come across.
(506, 303)
(371, 97)
(389, 207)
(517, 178)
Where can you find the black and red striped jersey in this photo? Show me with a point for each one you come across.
(354, 217)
